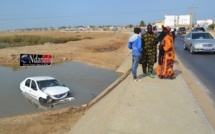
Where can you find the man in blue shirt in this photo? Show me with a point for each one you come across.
(135, 44)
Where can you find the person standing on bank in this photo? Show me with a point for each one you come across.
(149, 53)
(135, 44)
(173, 34)
(166, 56)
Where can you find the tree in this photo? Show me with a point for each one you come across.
(130, 26)
(211, 26)
(142, 24)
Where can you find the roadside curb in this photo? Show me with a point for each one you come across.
(204, 101)
(124, 68)
(126, 65)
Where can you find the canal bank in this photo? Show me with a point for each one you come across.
(150, 106)
(84, 81)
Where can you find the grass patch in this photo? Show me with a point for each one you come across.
(88, 38)
(28, 40)
(4, 45)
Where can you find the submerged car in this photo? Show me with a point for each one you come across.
(46, 89)
(199, 42)
(40, 105)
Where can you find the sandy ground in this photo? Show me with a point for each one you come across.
(107, 50)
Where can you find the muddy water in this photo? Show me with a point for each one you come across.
(85, 83)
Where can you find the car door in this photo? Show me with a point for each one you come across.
(34, 90)
(26, 87)
(188, 40)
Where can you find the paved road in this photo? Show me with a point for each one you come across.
(201, 65)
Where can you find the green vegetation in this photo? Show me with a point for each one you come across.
(142, 24)
(88, 38)
(129, 26)
(211, 26)
(27, 40)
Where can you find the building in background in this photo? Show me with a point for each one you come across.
(159, 25)
(184, 20)
(176, 21)
(170, 20)
(204, 23)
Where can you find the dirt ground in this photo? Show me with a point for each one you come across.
(102, 49)
(95, 48)
(106, 50)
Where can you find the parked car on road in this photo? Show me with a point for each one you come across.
(198, 29)
(199, 42)
(46, 89)
(181, 30)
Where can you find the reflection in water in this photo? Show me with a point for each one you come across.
(85, 83)
(45, 106)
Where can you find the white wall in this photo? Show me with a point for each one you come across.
(170, 20)
(184, 20)
(175, 20)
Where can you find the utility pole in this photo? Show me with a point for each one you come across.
(192, 19)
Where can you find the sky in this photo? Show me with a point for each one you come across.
(21, 14)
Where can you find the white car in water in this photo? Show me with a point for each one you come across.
(46, 89)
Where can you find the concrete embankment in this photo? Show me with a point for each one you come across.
(151, 106)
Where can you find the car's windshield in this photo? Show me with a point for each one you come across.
(201, 36)
(200, 29)
(47, 83)
(182, 29)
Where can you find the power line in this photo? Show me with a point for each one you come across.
(192, 17)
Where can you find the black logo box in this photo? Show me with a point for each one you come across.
(35, 59)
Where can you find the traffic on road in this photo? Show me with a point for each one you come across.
(201, 65)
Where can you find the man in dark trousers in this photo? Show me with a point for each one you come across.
(149, 53)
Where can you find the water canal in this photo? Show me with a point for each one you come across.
(85, 83)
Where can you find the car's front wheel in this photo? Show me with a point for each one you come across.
(49, 99)
(69, 94)
(191, 50)
(42, 100)
(185, 48)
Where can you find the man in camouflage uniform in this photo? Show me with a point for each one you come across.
(149, 53)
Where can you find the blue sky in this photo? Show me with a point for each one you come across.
(18, 14)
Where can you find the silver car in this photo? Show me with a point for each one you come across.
(199, 42)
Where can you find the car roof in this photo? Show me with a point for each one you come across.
(199, 27)
(199, 32)
(39, 78)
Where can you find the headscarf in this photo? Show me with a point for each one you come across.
(168, 28)
(163, 34)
